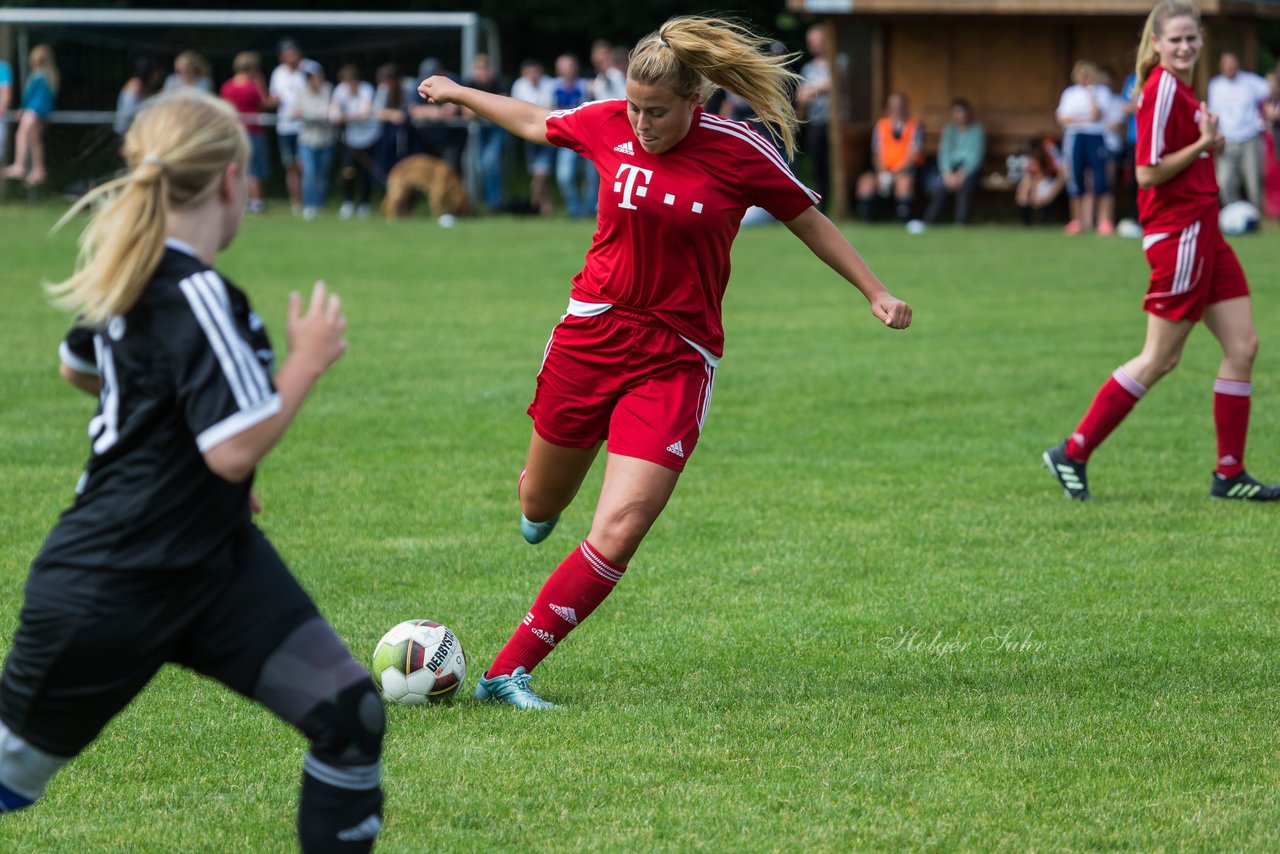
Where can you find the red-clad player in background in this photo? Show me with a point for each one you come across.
(1194, 273)
(634, 358)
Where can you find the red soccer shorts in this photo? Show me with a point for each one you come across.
(1191, 269)
(625, 377)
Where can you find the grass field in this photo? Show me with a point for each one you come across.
(867, 620)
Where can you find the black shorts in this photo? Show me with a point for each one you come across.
(89, 640)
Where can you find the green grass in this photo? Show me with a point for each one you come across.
(736, 692)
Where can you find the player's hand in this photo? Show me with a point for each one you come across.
(1208, 124)
(891, 311)
(255, 503)
(316, 336)
(439, 89)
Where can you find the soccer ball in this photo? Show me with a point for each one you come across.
(419, 662)
(1238, 218)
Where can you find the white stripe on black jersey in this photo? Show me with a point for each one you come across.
(185, 369)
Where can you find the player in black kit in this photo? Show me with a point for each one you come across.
(158, 559)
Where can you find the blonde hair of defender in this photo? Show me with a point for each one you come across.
(696, 54)
(1165, 10)
(177, 149)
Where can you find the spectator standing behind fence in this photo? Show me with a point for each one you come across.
(148, 77)
(439, 130)
(1237, 97)
(287, 83)
(490, 139)
(1083, 111)
(897, 150)
(38, 99)
(1043, 175)
(6, 95)
(315, 137)
(575, 176)
(1271, 169)
(960, 154)
(610, 82)
(533, 87)
(190, 69)
(351, 110)
(393, 120)
(247, 92)
(813, 102)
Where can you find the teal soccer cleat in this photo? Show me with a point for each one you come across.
(513, 690)
(536, 532)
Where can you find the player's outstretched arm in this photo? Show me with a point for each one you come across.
(315, 342)
(825, 240)
(525, 120)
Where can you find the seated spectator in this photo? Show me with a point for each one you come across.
(897, 152)
(247, 92)
(38, 99)
(1042, 177)
(533, 87)
(190, 69)
(960, 154)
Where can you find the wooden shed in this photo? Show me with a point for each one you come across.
(1010, 58)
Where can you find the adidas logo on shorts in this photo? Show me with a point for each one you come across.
(676, 448)
(625, 148)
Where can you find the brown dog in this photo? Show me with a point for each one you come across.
(431, 176)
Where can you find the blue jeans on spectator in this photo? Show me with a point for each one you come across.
(316, 163)
(492, 148)
(568, 163)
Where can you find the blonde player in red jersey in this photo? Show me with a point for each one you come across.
(1194, 273)
(634, 358)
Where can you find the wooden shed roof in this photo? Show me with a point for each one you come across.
(1236, 8)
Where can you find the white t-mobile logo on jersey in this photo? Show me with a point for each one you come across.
(631, 172)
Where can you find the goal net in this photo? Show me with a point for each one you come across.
(98, 49)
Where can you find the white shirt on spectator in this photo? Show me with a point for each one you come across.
(1078, 102)
(1238, 104)
(350, 101)
(286, 84)
(540, 93)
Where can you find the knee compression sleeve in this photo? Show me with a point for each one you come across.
(25, 771)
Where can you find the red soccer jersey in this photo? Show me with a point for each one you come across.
(1168, 121)
(247, 97)
(667, 220)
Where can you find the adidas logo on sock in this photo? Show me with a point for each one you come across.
(625, 148)
(1228, 460)
(565, 613)
(544, 636)
(676, 448)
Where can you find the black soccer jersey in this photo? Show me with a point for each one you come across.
(187, 367)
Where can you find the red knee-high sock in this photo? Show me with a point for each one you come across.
(574, 590)
(1231, 400)
(1114, 401)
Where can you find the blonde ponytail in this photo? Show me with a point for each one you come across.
(698, 55)
(1165, 10)
(177, 150)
